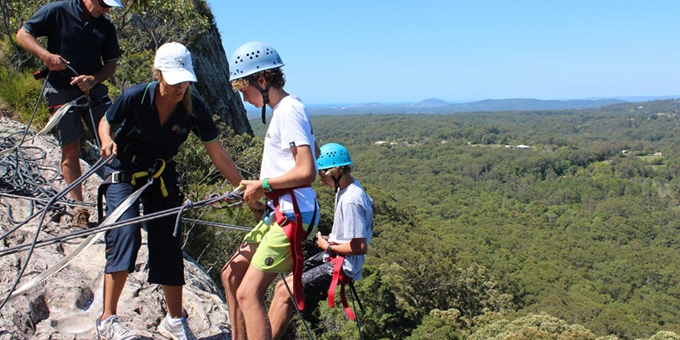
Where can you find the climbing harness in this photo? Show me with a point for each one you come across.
(156, 169)
(339, 278)
(295, 235)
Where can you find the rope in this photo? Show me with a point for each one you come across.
(299, 313)
(61, 194)
(352, 296)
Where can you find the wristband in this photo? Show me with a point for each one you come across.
(265, 185)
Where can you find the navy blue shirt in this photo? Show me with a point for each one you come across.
(85, 42)
(141, 132)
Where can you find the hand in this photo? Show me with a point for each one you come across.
(55, 62)
(258, 209)
(108, 148)
(84, 82)
(321, 241)
(253, 191)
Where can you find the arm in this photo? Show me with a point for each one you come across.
(54, 62)
(357, 246)
(227, 168)
(86, 82)
(304, 172)
(223, 162)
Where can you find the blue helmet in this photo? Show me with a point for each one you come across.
(333, 155)
(251, 58)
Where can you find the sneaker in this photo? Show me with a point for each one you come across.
(179, 332)
(113, 330)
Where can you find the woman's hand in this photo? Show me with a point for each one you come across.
(108, 148)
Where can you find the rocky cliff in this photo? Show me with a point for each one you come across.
(66, 305)
(212, 70)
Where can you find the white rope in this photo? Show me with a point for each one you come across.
(90, 240)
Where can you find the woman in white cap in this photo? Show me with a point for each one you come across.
(155, 119)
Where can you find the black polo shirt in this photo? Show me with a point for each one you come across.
(141, 132)
(85, 42)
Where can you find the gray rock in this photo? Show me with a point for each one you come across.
(65, 305)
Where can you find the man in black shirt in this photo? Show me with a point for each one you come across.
(80, 38)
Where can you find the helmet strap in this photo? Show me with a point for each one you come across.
(265, 97)
(336, 180)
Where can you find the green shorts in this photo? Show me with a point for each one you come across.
(273, 255)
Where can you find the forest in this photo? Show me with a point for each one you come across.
(581, 225)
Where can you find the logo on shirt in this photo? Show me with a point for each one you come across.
(268, 261)
(291, 144)
(99, 35)
(180, 130)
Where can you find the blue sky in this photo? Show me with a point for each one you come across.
(362, 51)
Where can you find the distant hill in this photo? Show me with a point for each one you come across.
(432, 102)
(520, 104)
(438, 106)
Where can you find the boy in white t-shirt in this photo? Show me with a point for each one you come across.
(349, 238)
(287, 171)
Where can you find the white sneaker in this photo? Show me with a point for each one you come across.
(112, 329)
(179, 332)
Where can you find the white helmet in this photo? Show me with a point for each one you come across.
(253, 57)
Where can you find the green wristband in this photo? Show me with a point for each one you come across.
(265, 185)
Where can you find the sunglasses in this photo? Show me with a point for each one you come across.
(103, 4)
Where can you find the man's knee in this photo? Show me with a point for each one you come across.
(69, 151)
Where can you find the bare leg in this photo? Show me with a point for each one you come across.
(70, 167)
(173, 298)
(113, 287)
(232, 274)
(250, 297)
(281, 308)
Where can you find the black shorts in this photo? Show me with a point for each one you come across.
(72, 126)
(317, 275)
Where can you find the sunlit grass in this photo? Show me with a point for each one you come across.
(19, 92)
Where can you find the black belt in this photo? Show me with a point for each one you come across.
(140, 160)
(99, 102)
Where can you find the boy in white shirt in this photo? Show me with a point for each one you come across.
(287, 171)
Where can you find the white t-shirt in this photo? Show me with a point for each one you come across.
(353, 219)
(289, 127)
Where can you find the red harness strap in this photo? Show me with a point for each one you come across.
(295, 234)
(53, 109)
(339, 277)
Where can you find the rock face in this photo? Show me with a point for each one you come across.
(212, 70)
(66, 305)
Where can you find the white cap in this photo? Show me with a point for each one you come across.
(174, 61)
(113, 3)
